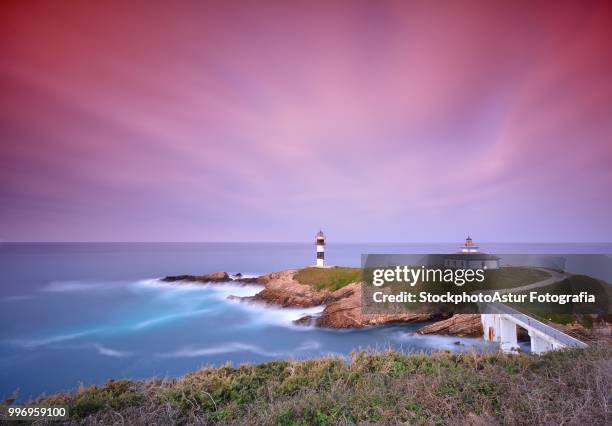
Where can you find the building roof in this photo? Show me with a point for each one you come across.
(471, 256)
(320, 234)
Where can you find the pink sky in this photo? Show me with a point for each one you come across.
(265, 121)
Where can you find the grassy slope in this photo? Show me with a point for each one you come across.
(512, 276)
(572, 386)
(334, 278)
(328, 278)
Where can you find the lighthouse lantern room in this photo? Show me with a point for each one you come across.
(320, 243)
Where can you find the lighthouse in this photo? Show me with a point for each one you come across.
(469, 246)
(320, 244)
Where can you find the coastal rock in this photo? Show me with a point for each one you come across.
(346, 312)
(283, 290)
(462, 325)
(215, 277)
(307, 320)
(250, 280)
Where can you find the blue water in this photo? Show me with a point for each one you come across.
(75, 313)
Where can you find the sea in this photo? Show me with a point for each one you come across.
(79, 314)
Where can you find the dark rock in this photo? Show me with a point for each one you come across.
(457, 325)
(215, 277)
(346, 312)
(308, 320)
(233, 297)
(248, 280)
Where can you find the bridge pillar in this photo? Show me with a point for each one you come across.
(508, 340)
(539, 345)
(490, 326)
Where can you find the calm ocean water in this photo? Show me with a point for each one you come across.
(74, 313)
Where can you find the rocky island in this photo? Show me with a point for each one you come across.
(338, 290)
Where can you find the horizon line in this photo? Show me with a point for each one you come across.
(287, 242)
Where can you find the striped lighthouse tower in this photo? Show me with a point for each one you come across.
(320, 243)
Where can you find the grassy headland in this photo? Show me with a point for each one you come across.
(569, 386)
(335, 278)
(512, 276)
(330, 279)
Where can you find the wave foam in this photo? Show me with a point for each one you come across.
(34, 343)
(263, 313)
(259, 313)
(167, 318)
(192, 352)
(222, 289)
(69, 286)
(106, 351)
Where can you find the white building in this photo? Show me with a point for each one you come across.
(320, 244)
(470, 257)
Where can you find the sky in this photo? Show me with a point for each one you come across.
(267, 121)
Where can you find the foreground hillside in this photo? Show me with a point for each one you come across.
(571, 386)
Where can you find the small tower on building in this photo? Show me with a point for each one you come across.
(469, 246)
(320, 243)
(470, 257)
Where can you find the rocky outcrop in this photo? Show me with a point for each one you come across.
(463, 325)
(283, 290)
(253, 280)
(215, 277)
(308, 320)
(346, 312)
(343, 306)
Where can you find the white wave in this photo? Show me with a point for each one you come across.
(263, 313)
(168, 318)
(34, 343)
(190, 352)
(70, 286)
(103, 350)
(223, 289)
(233, 347)
(246, 275)
(259, 313)
(309, 345)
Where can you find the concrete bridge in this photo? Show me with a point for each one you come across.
(499, 323)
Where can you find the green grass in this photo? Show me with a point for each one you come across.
(512, 276)
(330, 279)
(333, 279)
(570, 386)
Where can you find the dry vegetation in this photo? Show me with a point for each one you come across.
(563, 387)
